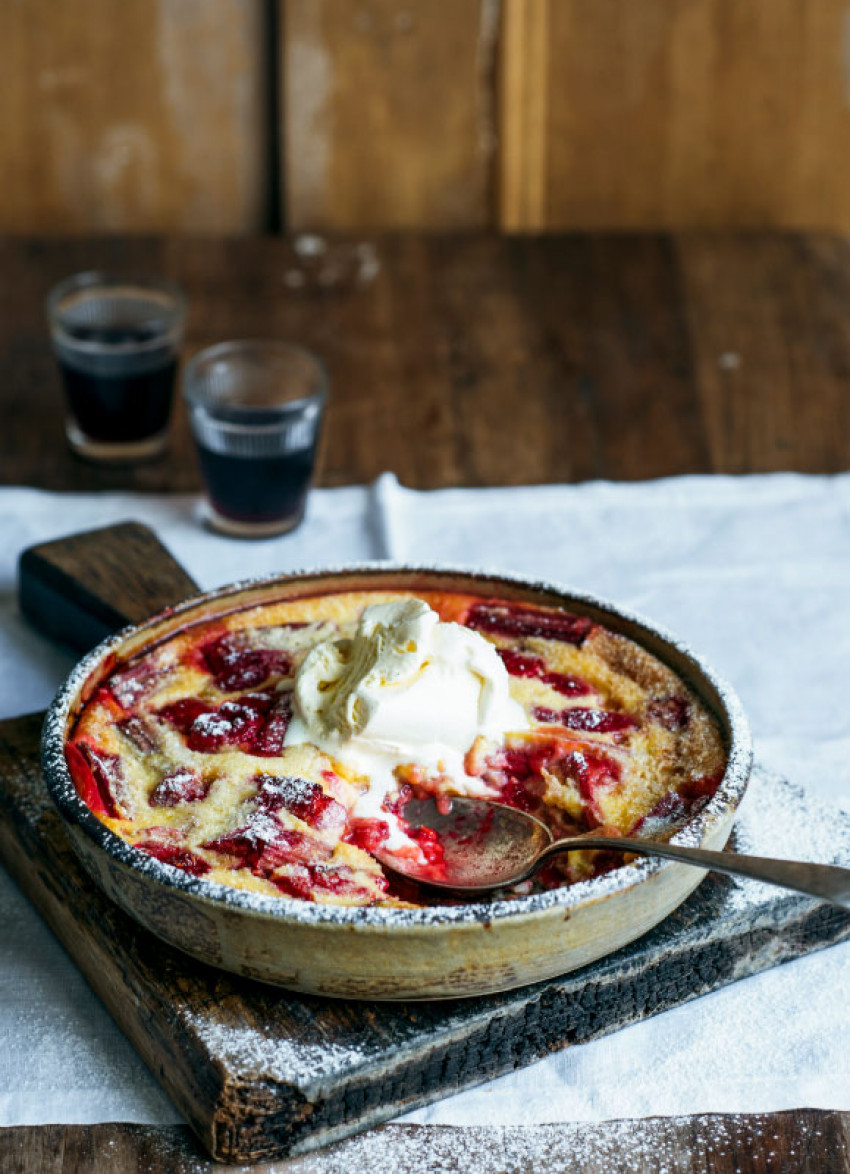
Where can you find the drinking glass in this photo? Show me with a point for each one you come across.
(256, 412)
(116, 339)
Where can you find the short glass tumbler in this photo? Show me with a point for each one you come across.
(116, 339)
(256, 410)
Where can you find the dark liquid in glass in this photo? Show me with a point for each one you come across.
(258, 489)
(119, 398)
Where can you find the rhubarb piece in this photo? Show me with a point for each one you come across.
(96, 776)
(181, 786)
(178, 857)
(567, 684)
(295, 882)
(701, 786)
(207, 727)
(263, 844)
(676, 806)
(139, 733)
(340, 880)
(256, 723)
(590, 721)
(270, 738)
(232, 724)
(236, 666)
(670, 811)
(515, 619)
(372, 834)
(302, 798)
(590, 772)
(130, 685)
(521, 664)
(673, 713)
(522, 784)
(517, 773)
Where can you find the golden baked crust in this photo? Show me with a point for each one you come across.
(181, 751)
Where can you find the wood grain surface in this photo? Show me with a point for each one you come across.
(156, 120)
(804, 1142)
(484, 361)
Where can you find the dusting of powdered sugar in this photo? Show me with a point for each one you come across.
(629, 1147)
(259, 1052)
(211, 725)
(663, 1145)
(778, 819)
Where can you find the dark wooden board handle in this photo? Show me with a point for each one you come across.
(81, 588)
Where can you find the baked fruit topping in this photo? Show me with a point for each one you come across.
(274, 749)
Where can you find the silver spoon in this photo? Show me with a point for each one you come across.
(488, 846)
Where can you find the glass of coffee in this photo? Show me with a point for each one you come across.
(256, 411)
(117, 340)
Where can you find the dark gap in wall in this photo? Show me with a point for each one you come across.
(274, 115)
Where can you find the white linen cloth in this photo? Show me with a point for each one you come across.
(753, 572)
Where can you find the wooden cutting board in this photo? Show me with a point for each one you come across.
(260, 1073)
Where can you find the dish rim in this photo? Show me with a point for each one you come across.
(307, 913)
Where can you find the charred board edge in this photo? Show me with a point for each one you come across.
(577, 1008)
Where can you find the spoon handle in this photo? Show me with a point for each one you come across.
(826, 881)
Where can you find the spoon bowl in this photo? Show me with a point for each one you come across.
(485, 846)
(488, 846)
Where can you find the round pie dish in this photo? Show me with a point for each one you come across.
(378, 952)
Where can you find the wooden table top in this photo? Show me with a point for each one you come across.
(477, 360)
(482, 360)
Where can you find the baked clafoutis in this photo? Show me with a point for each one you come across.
(273, 749)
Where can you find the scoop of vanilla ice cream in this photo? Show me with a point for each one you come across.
(406, 689)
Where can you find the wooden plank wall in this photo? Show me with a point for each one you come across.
(677, 113)
(389, 112)
(139, 115)
(239, 115)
